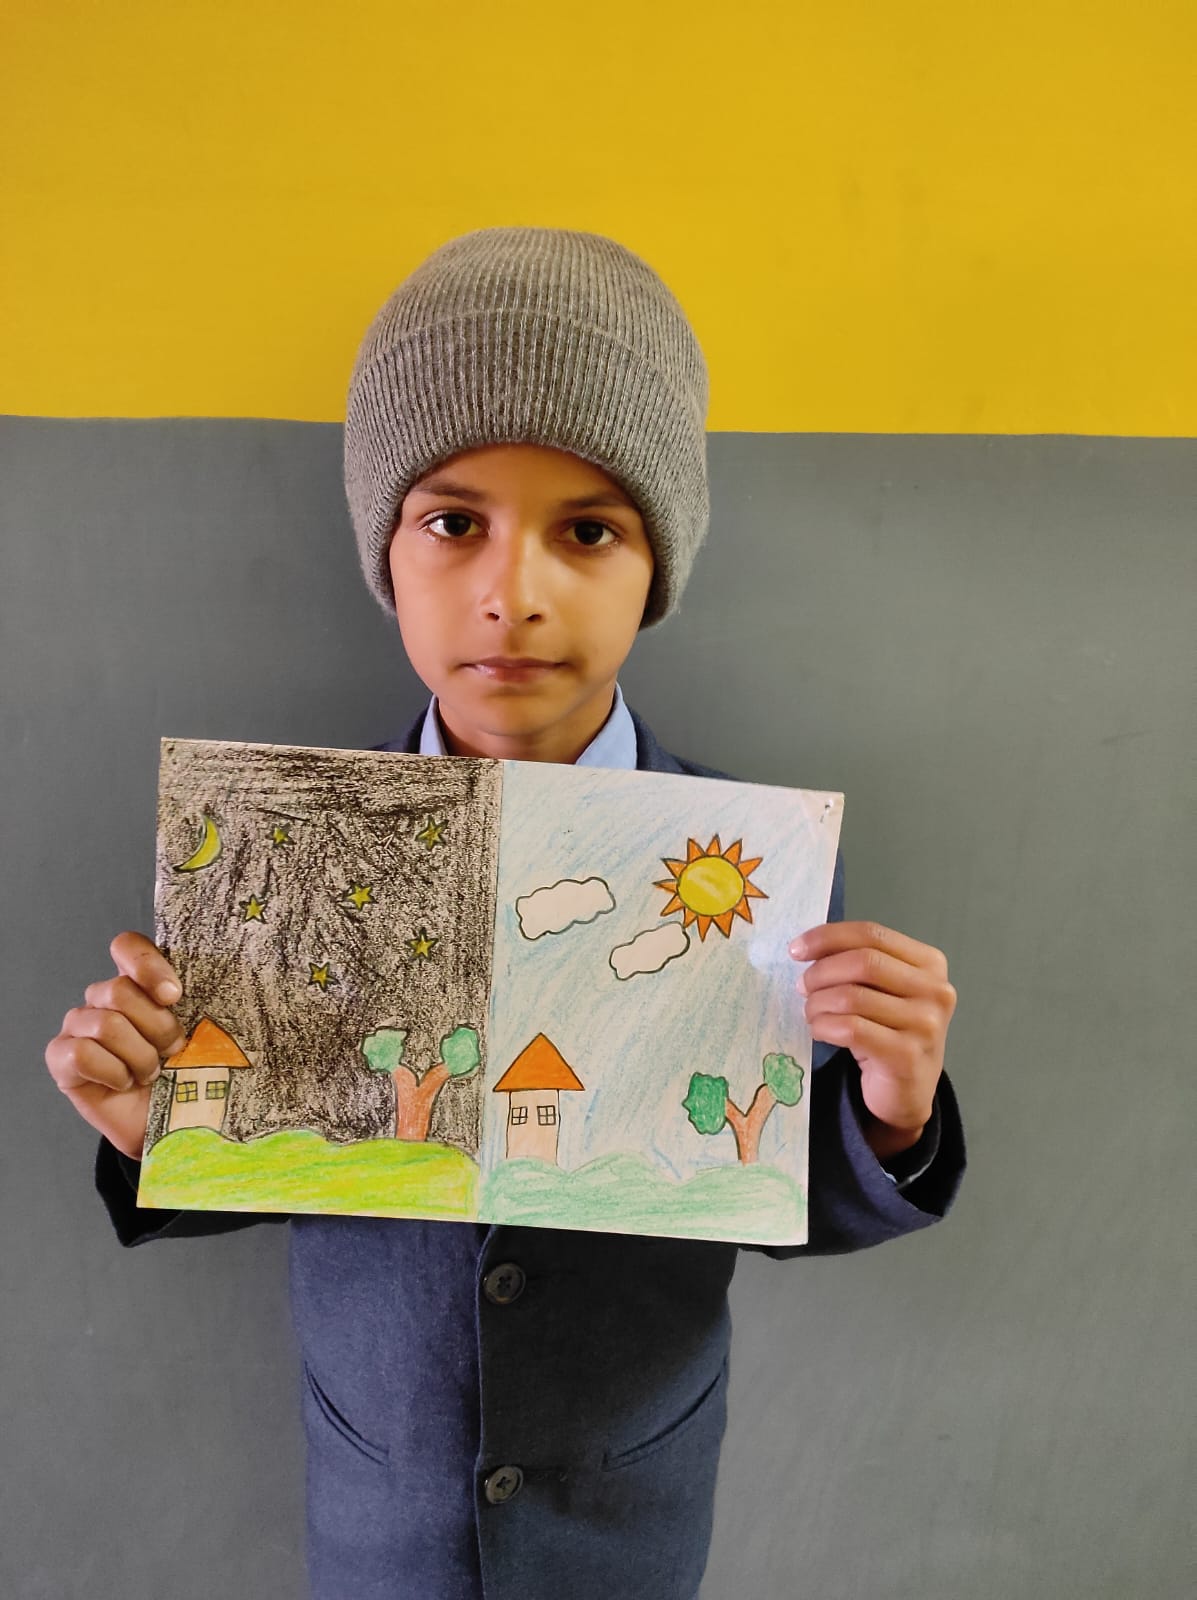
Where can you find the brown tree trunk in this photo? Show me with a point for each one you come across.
(414, 1101)
(747, 1125)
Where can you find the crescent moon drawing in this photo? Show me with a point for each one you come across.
(206, 851)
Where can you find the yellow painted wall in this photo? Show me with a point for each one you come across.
(890, 217)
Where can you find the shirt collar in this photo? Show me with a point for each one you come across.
(614, 745)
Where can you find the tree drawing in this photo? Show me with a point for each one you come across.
(415, 1097)
(711, 1108)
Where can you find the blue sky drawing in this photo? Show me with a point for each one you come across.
(720, 1007)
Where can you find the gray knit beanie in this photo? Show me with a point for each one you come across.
(539, 336)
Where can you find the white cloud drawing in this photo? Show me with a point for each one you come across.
(553, 909)
(651, 950)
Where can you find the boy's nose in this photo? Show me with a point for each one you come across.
(514, 585)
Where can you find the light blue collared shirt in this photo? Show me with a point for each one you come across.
(614, 745)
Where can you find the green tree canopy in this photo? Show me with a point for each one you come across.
(784, 1077)
(706, 1102)
(383, 1049)
(459, 1052)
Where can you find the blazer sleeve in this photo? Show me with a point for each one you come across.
(852, 1201)
(117, 1176)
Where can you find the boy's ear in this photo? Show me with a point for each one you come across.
(648, 599)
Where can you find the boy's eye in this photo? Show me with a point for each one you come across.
(592, 534)
(453, 521)
(457, 524)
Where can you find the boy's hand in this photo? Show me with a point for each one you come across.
(887, 999)
(110, 1049)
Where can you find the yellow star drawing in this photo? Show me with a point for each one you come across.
(321, 976)
(433, 832)
(421, 945)
(279, 834)
(253, 908)
(361, 894)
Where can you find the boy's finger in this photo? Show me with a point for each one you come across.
(829, 938)
(118, 1038)
(78, 1063)
(122, 996)
(139, 958)
(870, 968)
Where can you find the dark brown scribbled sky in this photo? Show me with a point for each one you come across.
(352, 818)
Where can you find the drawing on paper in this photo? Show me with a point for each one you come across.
(712, 886)
(335, 994)
(649, 951)
(415, 1096)
(200, 1074)
(533, 1084)
(559, 906)
(206, 851)
(451, 989)
(711, 1108)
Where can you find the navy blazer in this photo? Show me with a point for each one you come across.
(510, 1413)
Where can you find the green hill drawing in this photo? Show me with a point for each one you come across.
(200, 1169)
(624, 1193)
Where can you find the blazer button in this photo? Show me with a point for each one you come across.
(502, 1483)
(504, 1283)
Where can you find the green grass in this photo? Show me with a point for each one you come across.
(199, 1169)
(754, 1204)
(297, 1171)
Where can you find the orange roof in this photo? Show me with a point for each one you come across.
(540, 1066)
(208, 1046)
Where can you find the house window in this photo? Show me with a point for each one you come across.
(546, 1116)
(187, 1090)
(218, 1090)
(519, 1115)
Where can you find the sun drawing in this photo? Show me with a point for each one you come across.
(712, 885)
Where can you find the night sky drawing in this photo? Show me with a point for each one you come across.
(307, 898)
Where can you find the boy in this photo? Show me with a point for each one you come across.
(501, 1411)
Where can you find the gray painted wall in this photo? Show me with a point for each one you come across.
(987, 645)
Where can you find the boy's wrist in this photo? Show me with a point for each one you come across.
(904, 1167)
(886, 1141)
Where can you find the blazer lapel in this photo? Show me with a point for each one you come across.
(408, 742)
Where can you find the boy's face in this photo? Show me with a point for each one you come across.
(521, 574)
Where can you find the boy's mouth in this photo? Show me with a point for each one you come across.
(513, 669)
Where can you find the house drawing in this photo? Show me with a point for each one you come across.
(533, 1084)
(203, 1070)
